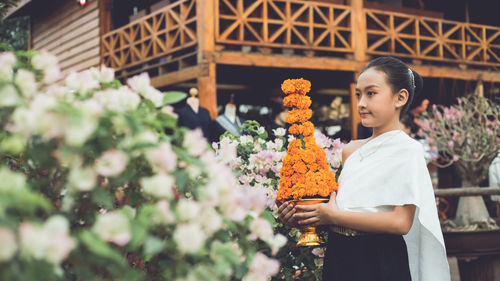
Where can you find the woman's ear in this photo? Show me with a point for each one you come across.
(401, 98)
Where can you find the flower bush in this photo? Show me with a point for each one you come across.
(98, 183)
(257, 161)
(450, 134)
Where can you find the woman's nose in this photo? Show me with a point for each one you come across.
(361, 102)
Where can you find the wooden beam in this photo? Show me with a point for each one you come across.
(205, 10)
(467, 191)
(179, 76)
(282, 61)
(455, 73)
(358, 22)
(227, 87)
(355, 118)
(207, 87)
(333, 92)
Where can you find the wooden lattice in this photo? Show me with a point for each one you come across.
(163, 32)
(403, 35)
(290, 24)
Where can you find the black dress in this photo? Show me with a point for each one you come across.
(372, 257)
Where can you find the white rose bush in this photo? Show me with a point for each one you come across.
(99, 183)
(257, 159)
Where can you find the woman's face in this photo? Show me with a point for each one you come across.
(376, 102)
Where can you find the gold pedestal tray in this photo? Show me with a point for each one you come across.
(309, 237)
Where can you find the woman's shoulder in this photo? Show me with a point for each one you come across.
(349, 148)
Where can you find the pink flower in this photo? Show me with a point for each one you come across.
(450, 143)
(476, 155)
(113, 227)
(455, 158)
(162, 158)
(319, 252)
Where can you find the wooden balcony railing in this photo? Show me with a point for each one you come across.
(324, 29)
(163, 32)
(403, 35)
(290, 24)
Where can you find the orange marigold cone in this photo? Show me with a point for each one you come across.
(305, 172)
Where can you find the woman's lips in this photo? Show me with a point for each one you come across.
(363, 115)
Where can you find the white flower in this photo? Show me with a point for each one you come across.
(82, 179)
(47, 63)
(81, 82)
(189, 237)
(194, 142)
(78, 134)
(121, 100)
(139, 83)
(113, 227)
(111, 163)
(167, 216)
(188, 210)
(262, 229)
(159, 185)
(43, 60)
(11, 181)
(210, 220)
(9, 96)
(227, 150)
(25, 80)
(262, 268)
(261, 130)
(7, 61)
(169, 110)
(279, 132)
(162, 158)
(246, 139)
(107, 74)
(153, 95)
(50, 241)
(8, 245)
(276, 243)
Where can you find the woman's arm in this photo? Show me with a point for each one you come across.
(398, 221)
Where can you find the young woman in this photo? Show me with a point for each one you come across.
(383, 222)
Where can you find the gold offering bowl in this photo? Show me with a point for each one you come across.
(308, 236)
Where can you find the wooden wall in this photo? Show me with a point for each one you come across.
(68, 31)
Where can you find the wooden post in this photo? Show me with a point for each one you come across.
(208, 90)
(104, 21)
(205, 10)
(358, 21)
(355, 118)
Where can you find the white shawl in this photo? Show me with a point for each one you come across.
(393, 172)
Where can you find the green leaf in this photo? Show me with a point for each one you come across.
(102, 198)
(100, 248)
(153, 245)
(171, 97)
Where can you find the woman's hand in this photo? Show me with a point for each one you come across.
(318, 214)
(286, 210)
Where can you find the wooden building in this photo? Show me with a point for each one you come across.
(183, 43)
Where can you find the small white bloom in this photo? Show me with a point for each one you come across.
(162, 158)
(139, 83)
(7, 61)
(189, 237)
(113, 227)
(246, 139)
(8, 245)
(279, 132)
(11, 181)
(50, 241)
(261, 130)
(153, 95)
(111, 163)
(159, 185)
(82, 82)
(9, 96)
(77, 135)
(82, 179)
(107, 74)
(188, 210)
(210, 220)
(194, 142)
(25, 80)
(262, 229)
(167, 216)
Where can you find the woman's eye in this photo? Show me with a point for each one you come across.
(371, 93)
(357, 95)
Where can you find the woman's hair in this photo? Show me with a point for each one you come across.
(399, 76)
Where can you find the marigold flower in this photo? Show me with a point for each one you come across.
(305, 172)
